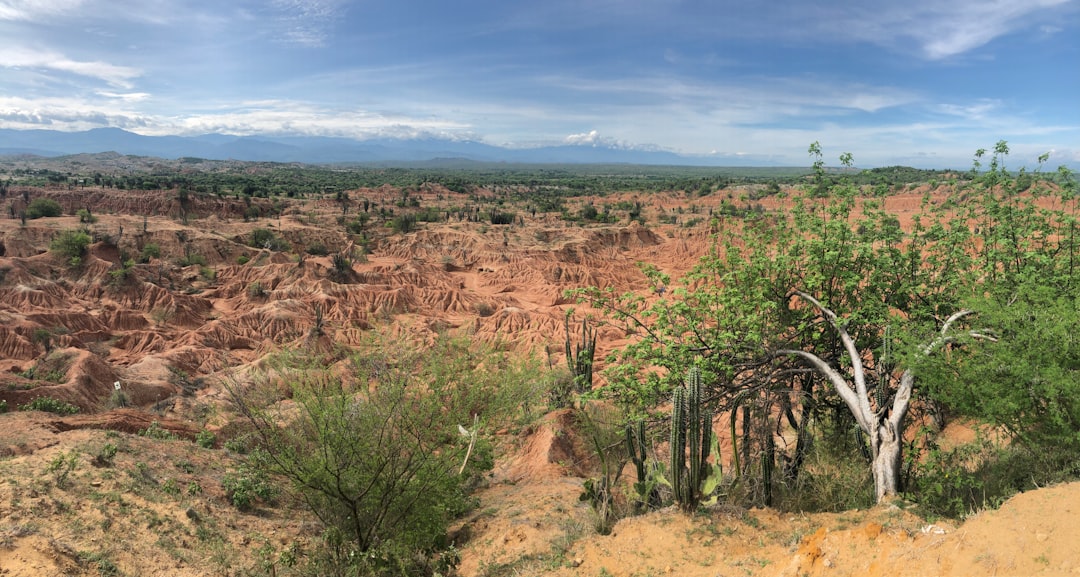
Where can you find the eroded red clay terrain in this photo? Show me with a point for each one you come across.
(172, 334)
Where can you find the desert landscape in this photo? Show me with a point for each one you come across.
(133, 464)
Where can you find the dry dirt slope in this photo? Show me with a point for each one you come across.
(159, 509)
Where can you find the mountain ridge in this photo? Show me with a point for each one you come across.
(328, 150)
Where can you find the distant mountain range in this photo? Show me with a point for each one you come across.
(313, 149)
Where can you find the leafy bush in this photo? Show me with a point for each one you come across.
(156, 431)
(386, 467)
(205, 439)
(403, 224)
(50, 405)
(71, 245)
(265, 238)
(43, 207)
(150, 251)
(3, 406)
(106, 455)
(85, 217)
(246, 485)
(192, 259)
(318, 249)
(61, 466)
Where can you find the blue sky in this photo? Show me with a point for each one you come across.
(919, 82)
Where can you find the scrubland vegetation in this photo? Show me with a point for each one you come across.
(808, 362)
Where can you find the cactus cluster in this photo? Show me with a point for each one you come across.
(692, 478)
(580, 356)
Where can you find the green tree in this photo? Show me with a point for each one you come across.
(380, 456)
(70, 245)
(43, 207)
(825, 309)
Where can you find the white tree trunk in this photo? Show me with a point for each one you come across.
(884, 427)
(886, 445)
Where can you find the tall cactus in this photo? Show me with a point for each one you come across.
(692, 477)
(645, 486)
(580, 356)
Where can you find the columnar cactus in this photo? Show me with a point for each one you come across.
(580, 356)
(692, 477)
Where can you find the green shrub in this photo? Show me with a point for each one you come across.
(246, 485)
(3, 406)
(62, 465)
(71, 245)
(118, 400)
(243, 259)
(105, 456)
(256, 290)
(265, 238)
(192, 259)
(156, 431)
(344, 448)
(318, 249)
(403, 224)
(205, 439)
(85, 217)
(150, 251)
(50, 405)
(43, 207)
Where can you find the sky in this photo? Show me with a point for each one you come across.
(913, 82)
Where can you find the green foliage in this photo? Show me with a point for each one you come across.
(646, 484)
(378, 456)
(122, 274)
(61, 466)
(43, 208)
(256, 290)
(156, 431)
(317, 249)
(246, 485)
(50, 405)
(403, 223)
(150, 251)
(602, 426)
(205, 439)
(192, 259)
(266, 239)
(118, 400)
(106, 455)
(1027, 379)
(342, 271)
(70, 245)
(830, 281)
(85, 217)
(3, 406)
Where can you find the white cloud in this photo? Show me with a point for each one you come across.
(977, 111)
(308, 22)
(32, 10)
(591, 137)
(119, 76)
(126, 97)
(939, 29)
(67, 114)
